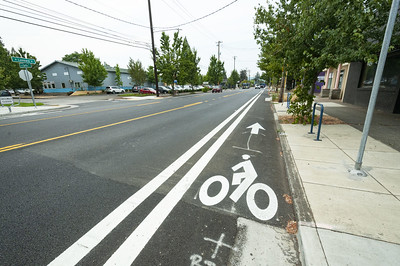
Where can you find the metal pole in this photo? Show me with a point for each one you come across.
(154, 51)
(377, 80)
(30, 86)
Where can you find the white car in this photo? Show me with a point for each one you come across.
(114, 89)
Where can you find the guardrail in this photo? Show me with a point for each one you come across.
(320, 120)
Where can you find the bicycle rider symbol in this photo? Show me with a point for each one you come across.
(244, 181)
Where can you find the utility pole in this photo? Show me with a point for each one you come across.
(234, 62)
(154, 51)
(218, 44)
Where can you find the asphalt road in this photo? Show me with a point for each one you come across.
(151, 182)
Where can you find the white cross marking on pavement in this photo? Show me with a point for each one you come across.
(219, 244)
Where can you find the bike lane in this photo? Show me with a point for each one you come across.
(244, 181)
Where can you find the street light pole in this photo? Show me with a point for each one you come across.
(377, 81)
(154, 51)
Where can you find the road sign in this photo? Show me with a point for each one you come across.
(23, 60)
(25, 65)
(25, 75)
(6, 100)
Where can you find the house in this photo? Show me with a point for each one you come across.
(352, 83)
(64, 77)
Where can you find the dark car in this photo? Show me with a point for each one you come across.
(5, 93)
(135, 89)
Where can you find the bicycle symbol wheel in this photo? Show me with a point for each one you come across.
(262, 214)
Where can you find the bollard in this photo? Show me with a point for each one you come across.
(320, 120)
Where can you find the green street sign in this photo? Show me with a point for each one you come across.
(25, 65)
(22, 60)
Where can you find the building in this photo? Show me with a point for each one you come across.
(64, 77)
(352, 83)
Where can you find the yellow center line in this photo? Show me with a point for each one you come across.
(84, 113)
(233, 94)
(21, 145)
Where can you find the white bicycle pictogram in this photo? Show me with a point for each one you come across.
(244, 180)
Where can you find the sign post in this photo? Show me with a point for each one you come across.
(25, 74)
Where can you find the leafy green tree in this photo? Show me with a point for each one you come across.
(233, 79)
(37, 76)
(305, 40)
(150, 75)
(94, 73)
(168, 58)
(188, 65)
(118, 81)
(74, 57)
(5, 62)
(243, 75)
(137, 72)
(216, 71)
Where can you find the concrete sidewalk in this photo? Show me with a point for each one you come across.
(344, 219)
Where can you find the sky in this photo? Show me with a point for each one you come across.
(229, 22)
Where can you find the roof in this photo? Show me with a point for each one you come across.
(74, 64)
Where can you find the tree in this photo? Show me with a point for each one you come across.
(243, 75)
(233, 79)
(5, 62)
(188, 65)
(216, 71)
(118, 81)
(137, 72)
(168, 58)
(304, 40)
(94, 73)
(151, 78)
(37, 76)
(74, 57)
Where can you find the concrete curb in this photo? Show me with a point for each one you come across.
(310, 247)
(35, 111)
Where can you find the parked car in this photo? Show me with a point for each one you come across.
(5, 93)
(147, 91)
(257, 87)
(163, 89)
(135, 89)
(114, 89)
(216, 89)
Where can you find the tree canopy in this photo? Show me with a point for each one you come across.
(9, 77)
(216, 71)
(74, 57)
(117, 80)
(306, 36)
(94, 73)
(177, 61)
(137, 72)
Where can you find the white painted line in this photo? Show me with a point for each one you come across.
(134, 244)
(94, 236)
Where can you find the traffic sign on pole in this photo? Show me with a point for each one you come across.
(23, 60)
(25, 65)
(25, 75)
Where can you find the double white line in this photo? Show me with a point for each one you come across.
(134, 244)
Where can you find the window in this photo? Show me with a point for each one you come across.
(341, 79)
(79, 72)
(54, 74)
(65, 73)
(390, 75)
(63, 85)
(77, 84)
(330, 80)
(53, 85)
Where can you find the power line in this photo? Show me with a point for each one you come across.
(71, 32)
(70, 19)
(63, 25)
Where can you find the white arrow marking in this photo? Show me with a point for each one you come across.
(255, 128)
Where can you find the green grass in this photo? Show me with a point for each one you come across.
(25, 104)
